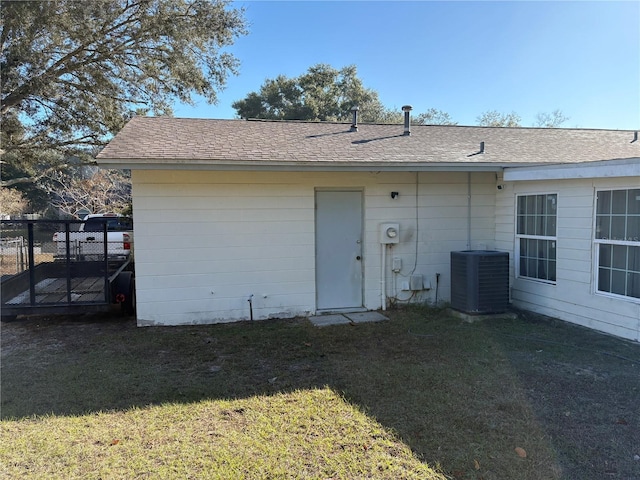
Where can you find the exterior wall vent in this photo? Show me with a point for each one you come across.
(480, 281)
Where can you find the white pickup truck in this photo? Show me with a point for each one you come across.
(88, 242)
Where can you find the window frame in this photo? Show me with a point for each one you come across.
(597, 242)
(520, 236)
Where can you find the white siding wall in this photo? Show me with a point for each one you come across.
(205, 241)
(573, 297)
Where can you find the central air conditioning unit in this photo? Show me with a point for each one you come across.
(480, 281)
(389, 233)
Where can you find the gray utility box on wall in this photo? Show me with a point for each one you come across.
(480, 281)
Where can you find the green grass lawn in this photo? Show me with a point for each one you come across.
(302, 434)
(422, 396)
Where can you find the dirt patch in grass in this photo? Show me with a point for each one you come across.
(526, 398)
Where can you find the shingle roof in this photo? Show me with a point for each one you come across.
(149, 141)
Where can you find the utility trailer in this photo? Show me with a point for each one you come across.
(38, 279)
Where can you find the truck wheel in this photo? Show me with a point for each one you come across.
(124, 284)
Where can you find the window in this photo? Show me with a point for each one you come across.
(536, 236)
(617, 238)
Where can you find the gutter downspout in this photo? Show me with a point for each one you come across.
(383, 279)
(468, 210)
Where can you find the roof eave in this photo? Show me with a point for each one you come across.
(620, 167)
(163, 164)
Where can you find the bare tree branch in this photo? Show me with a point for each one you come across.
(97, 191)
(32, 179)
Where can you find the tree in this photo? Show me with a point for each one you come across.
(432, 116)
(323, 93)
(88, 189)
(12, 202)
(73, 72)
(550, 120)
(493, 118)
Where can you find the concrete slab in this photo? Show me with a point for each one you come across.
(470, 318)
(346, 318)
(363, 317)
(325, 320)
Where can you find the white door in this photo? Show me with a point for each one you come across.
(338, 249)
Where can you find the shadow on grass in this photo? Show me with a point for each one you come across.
(461, 395)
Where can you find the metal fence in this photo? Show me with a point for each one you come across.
(45, 266)
(13, 255)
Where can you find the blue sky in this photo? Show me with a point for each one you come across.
(464, 58)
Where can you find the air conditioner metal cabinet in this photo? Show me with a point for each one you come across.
(480, 281)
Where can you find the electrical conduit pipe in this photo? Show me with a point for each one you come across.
(383, 280)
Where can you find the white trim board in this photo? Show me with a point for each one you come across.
(628, 167)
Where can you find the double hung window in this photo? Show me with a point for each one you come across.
(617, 242)
(536, 236)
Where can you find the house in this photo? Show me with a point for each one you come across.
(239, 219)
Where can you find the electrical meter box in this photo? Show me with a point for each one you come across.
(389, 233)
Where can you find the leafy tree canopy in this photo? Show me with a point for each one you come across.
(73, 72)
(322, 93)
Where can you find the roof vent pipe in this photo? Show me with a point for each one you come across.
(407, 119)
(354, 124)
